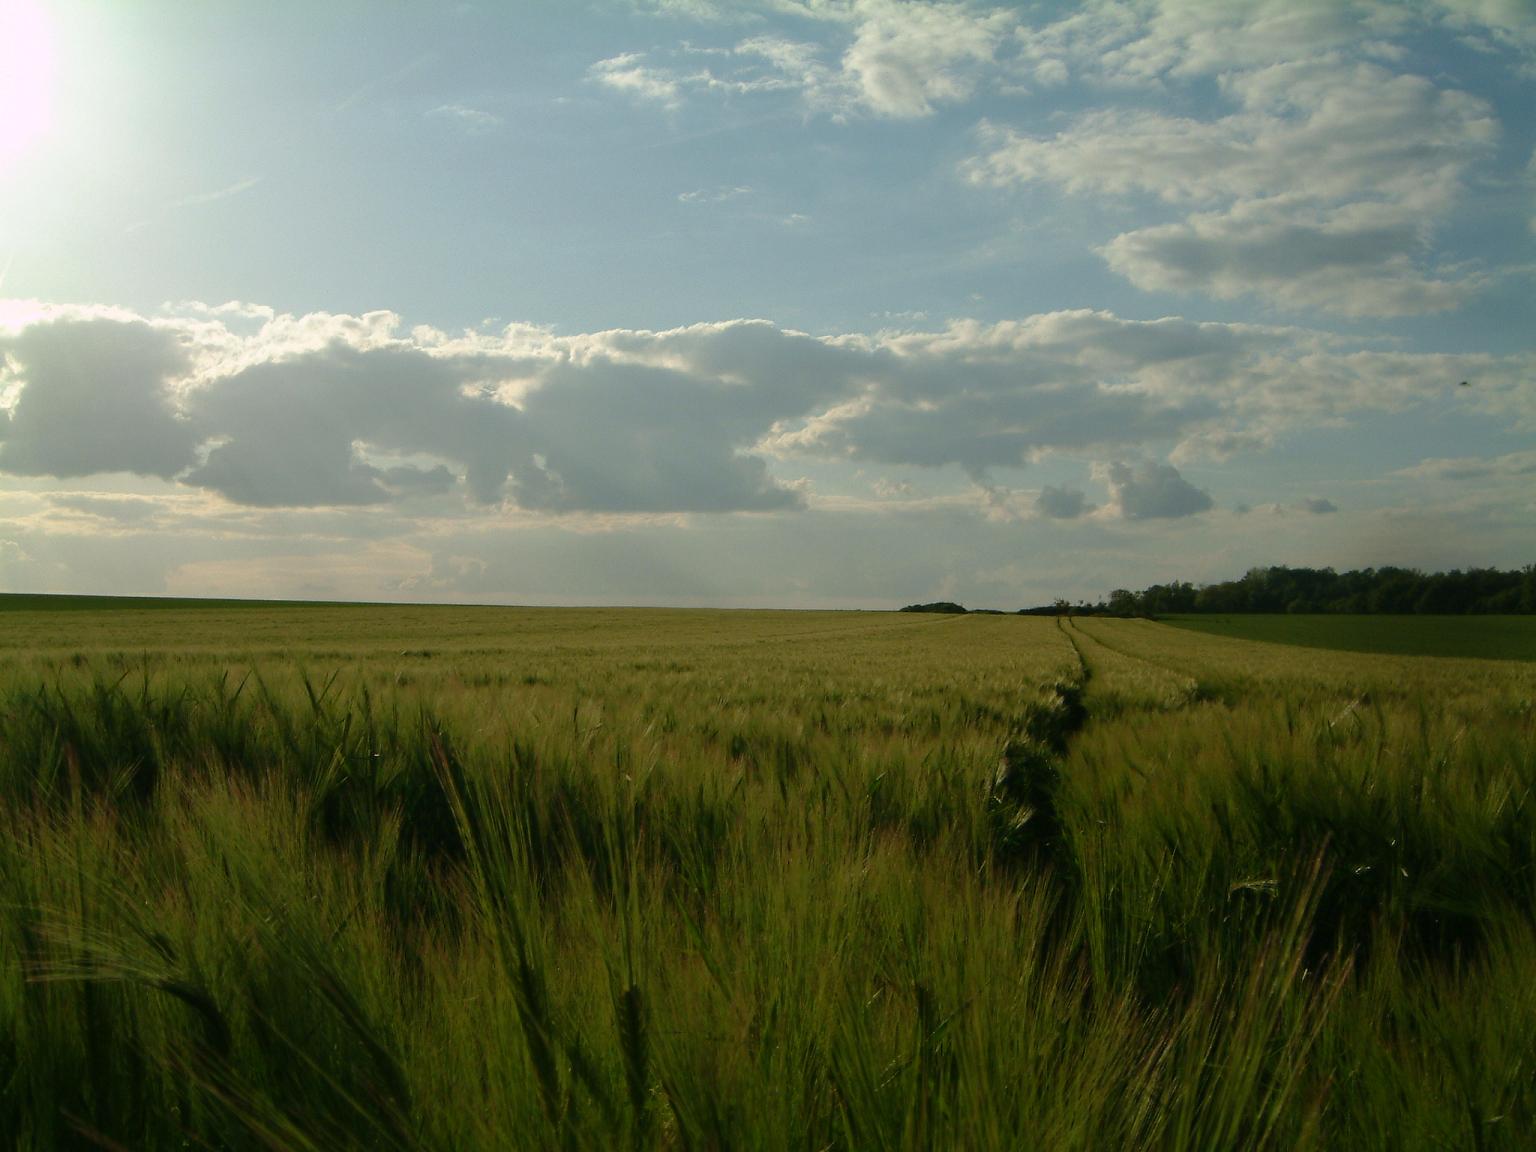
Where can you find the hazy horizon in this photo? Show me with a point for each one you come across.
(820, 304)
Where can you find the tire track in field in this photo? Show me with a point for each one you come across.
(1184, 689)
(1024, 804)
(1067, 630)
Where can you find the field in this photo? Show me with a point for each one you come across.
(1480, 637)
(285, 877)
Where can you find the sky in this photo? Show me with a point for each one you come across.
(781, 303)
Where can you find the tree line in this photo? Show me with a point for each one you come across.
(1367, 591)
(1396, 591)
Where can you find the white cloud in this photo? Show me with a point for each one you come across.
(701, 10)
(901, 59)
(762, 64)
(715, 195)
(1149, 42)
(1051, 73)
(1319, 192)
(627, 74)
(1494, 26)
(904, 58)
(1316, 131)
(1185, 38)
(908, 58)
(468, 118)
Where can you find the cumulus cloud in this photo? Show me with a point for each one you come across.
(1318, 191)
(1318, 505)
(629, 437)
(294, 431)
(987, 397)
(97, 396)
(1062, 503)
(326, 410)
(1151, 491)
(275, 410)
(1351, 264)
(906, 58)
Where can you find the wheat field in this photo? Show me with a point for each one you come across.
(287, 877)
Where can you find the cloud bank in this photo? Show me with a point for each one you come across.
(275, 410)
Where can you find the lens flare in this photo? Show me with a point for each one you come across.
(26, 77)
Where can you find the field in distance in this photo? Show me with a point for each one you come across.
(362, 876)
(1478, 637)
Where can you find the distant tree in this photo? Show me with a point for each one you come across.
(1369, 590)
(1123, 602)
(1397, 591)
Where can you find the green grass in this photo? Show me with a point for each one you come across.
(49, 602)
(1476, 637)
(320, 878)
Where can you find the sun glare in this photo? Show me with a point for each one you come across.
(26, 77)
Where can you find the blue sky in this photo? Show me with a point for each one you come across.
(839, 303)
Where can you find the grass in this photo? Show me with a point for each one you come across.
(1475, 637)
(319, 877)
(51, 602)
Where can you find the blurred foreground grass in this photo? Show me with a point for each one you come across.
(367, 877)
